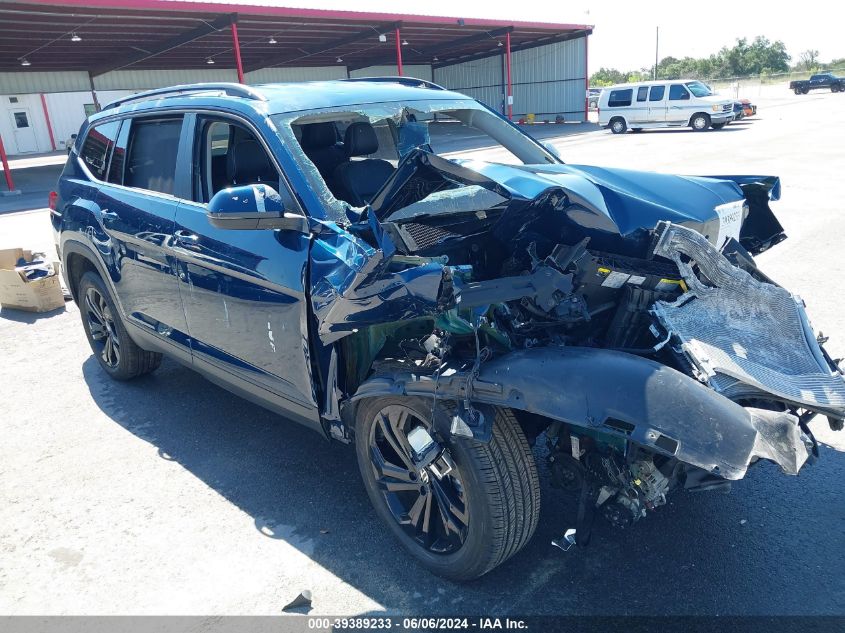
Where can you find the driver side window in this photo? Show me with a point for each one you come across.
(229, 155)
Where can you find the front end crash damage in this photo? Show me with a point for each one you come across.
(621, 318)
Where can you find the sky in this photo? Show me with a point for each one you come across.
(625, 38)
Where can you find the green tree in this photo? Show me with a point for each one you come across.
(607, 77)
(808, 60)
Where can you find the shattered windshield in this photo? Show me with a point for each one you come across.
(348, 153)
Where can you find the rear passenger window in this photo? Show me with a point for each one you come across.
(620, 98)
(656, 93)
(151, 155)
(642, 93)
(678, 93)
(98, 144)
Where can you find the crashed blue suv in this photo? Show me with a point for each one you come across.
(398, 267)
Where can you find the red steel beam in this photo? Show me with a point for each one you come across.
(236, 47)
(6, 171)
(399, 50)
(47, 118)
(508, 65)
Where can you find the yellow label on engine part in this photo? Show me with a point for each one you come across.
(671, 284)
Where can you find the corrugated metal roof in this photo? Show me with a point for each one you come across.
(180, 34)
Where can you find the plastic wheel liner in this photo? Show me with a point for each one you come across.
(747, 338)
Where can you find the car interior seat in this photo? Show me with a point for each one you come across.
(247, 164)
(359, 180)
(321, 145)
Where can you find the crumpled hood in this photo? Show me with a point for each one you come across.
(617, 208)
(631, 200)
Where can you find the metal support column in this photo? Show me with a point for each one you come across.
(6, 171)
(508, 66)
(399, 50)
(93, 91)
(586, 78)
(47, 119)
(236, 47)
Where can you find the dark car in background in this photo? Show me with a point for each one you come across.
(828, 81)
(328, 251)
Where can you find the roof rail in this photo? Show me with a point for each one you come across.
(405, 81)
(231, 89)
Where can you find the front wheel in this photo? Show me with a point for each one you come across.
(700, 122)
(476, 505)
(618, 126)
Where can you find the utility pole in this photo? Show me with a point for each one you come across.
(656, 44)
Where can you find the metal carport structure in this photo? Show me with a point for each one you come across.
(49, 46)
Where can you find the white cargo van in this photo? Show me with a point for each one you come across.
(668, 103)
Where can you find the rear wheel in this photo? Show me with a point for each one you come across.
(805, 90)
(618, 125)
(798, 90)
(117, 354)
(458, 524)
(834, 88)
(700, 121)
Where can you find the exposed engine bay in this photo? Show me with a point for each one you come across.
(634, 339)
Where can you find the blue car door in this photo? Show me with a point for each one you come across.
(244, 290)
(137, 206)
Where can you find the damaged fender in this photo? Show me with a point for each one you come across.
(619, 394)
(352, 286)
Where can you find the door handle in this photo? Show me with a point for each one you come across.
(185, 239)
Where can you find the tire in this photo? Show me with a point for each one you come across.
(700, 121)
(494, 489)
(835, 88)
(805, 90)
(618, 125)
(718, 126)
(117, 354)
(798, 90)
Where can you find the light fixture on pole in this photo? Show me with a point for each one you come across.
(272, 40)
(382, 37)
(208, 60)
(75, 38)
(404, 42)
(25, 62)
(339, 60)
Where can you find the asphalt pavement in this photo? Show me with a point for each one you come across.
(169, 495)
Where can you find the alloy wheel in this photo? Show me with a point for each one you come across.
(102, 328)
(429, 505)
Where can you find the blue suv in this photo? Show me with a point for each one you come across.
(398, 267)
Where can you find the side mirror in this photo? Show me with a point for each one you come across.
(252, 207)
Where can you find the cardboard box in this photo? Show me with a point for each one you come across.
(16, 291)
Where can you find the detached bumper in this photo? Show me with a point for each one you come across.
(623, 395)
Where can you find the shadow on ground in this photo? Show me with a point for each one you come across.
(771, 547)
(24, 316)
